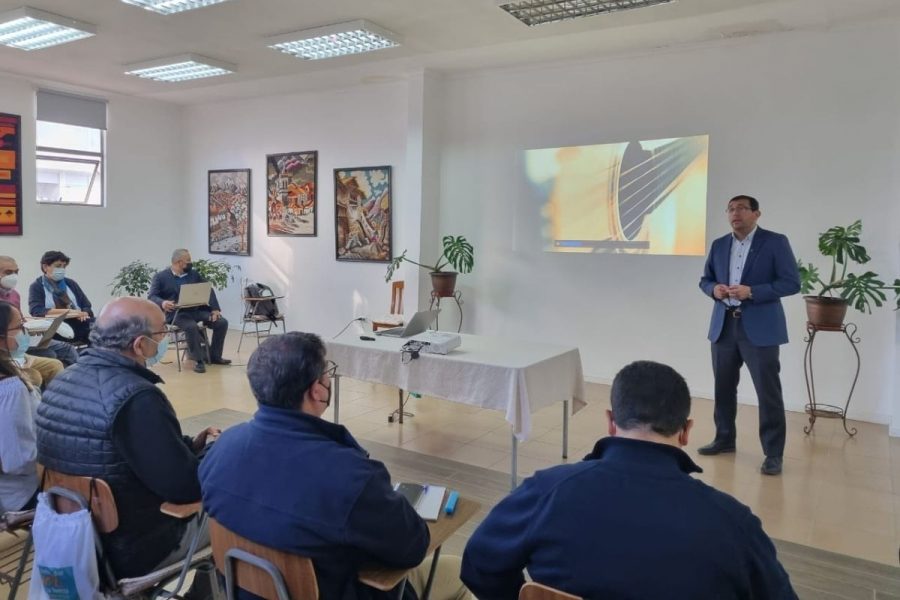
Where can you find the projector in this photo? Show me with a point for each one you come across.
(437, 342)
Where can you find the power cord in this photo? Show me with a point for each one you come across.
(348, 325)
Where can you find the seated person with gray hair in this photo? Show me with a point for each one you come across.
(164, 291)
(628, 521)
(105, 417)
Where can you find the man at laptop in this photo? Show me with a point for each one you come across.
(165, 291)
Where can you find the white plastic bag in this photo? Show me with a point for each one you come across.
(65, 558)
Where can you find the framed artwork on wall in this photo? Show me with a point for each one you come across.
(10, 174)
(229, 211)
(362, 214)
(291, 193)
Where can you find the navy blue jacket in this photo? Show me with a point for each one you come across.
(770, 271)
(37, 297)
(166, 286)
(298, 483)
(627, 522)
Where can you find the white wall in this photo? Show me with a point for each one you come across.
(144, 215)
(364, 126)
(806, 122)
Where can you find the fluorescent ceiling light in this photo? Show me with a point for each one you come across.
(32, 29)
(180, 68)
(330, 41)
(540, 12)
(168, 7)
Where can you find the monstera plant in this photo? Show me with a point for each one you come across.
(841, 289)
(457, 253)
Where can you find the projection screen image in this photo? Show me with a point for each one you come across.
(639, 197)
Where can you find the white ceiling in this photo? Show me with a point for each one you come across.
(446, 35)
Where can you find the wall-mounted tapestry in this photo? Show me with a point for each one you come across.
(10, 174)
(229, 211)
(362, 214)
(291, 193)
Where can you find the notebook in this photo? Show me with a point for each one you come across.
(428, 504)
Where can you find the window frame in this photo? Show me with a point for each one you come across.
(86, 153)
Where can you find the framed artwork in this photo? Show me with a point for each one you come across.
(362, 214)
(10, 174)
(291, 193)
(229, 211)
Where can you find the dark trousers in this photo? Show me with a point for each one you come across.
(187, 320)
(729, 352)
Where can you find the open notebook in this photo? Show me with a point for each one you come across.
(428, 502)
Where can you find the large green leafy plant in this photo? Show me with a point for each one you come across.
(133, 279)
(217, 272)
(457, 253)
(842, 246)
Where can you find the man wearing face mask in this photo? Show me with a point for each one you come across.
(105, 417)
(53, 294)
(40, 365)
(164, 292)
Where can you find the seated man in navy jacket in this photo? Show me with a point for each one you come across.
(292, 481)
(628, 521)
(164, 291)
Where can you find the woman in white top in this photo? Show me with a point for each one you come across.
(18, 404)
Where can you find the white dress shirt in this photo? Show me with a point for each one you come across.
(739, 251)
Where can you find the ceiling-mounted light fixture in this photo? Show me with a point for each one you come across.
(184, 67)
(540, 12)
(32, 29)
(168, 7)
(330, 41)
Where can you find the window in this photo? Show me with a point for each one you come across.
(71, 149)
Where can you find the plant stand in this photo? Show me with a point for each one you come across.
(436, 304)
(828, 411)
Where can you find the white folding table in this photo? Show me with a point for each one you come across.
(512, 376)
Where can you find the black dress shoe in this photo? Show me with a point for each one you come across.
(771, 466)
(220, 361)
(199, 368)
(717, 447)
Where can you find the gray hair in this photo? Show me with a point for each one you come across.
(119, 334)
(178, 254)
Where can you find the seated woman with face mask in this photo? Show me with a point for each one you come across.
(53, 293)
(18, 404)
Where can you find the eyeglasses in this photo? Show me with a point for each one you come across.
(738, 208)
(330, 369)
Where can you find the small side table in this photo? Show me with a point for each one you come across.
(436, 303)
(828, 411)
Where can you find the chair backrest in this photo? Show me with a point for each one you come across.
(537, 591)
(103, 506)
(397, 298)
(297, 571)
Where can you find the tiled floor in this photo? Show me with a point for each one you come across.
(837, 493)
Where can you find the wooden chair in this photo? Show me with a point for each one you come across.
(70, 493)
(268, 573)
(537, 591)
(15, 553)
(396, 309)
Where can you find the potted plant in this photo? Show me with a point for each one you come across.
(217, 272)
(457, 252)
(133, 279)
(841, 244)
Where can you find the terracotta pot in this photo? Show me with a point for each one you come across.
(826, 312)
(443, 284)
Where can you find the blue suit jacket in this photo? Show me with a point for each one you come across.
(770, 271)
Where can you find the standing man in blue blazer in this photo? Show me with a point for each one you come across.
(747, 273)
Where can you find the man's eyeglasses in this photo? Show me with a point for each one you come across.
(330, 369)
(738, 208)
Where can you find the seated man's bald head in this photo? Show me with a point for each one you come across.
(123, 320)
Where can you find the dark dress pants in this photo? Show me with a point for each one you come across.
(729, 352)
(187, 320)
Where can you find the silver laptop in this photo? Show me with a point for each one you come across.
(194, 294)
(418, 324)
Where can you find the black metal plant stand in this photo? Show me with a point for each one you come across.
(436, 303)
(828, 411)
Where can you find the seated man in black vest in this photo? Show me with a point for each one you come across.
(105, 417)
(164, 291)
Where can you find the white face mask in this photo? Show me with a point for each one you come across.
(9, 281)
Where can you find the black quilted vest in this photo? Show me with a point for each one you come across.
(74, 436)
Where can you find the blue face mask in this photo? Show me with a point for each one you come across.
(161, 348)
(23, 340)
(58, 274)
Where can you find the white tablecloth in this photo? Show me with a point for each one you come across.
(512, 376)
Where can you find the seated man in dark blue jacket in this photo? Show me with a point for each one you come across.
(164, 292)
(292, 481)
(628, 521)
